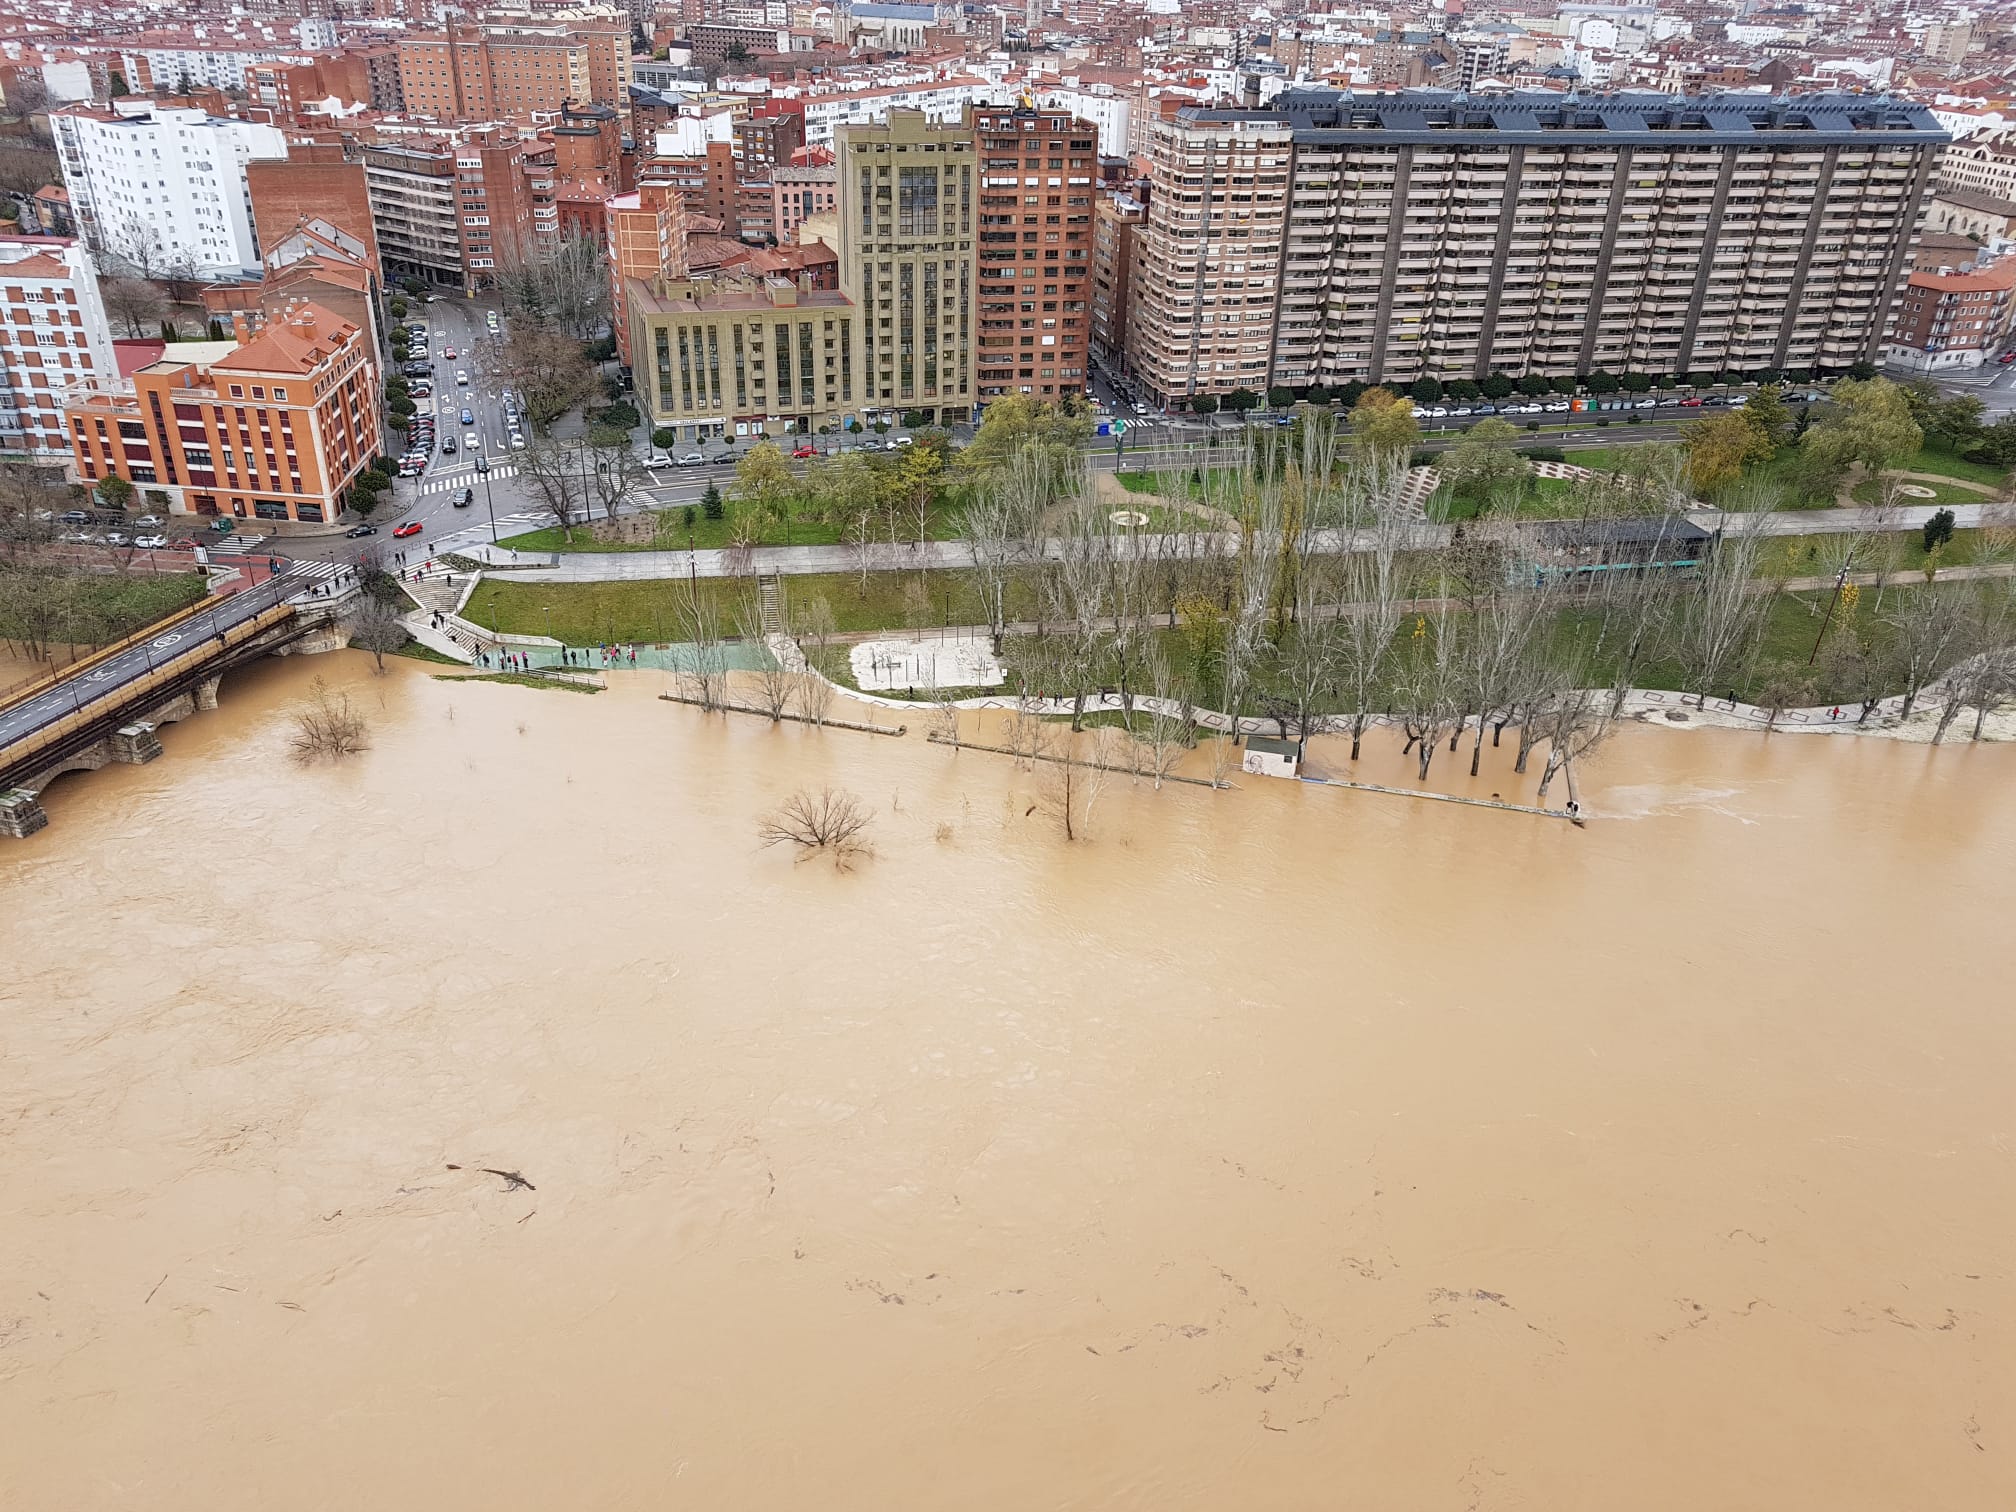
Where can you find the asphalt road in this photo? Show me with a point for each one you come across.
(108, 677)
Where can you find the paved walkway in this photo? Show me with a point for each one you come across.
(794, 561)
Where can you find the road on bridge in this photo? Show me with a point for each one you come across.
(76, 694)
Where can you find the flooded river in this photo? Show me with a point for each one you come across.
(1275, 1149)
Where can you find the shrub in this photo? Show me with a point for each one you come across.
(1543, 454)
(1634, 419)
(664, 437)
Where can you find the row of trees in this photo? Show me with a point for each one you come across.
(1336, 603)
(1500, 386)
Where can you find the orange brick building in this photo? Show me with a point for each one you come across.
(510, 69)
(274, 427)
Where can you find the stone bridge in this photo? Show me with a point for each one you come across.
(107, 707)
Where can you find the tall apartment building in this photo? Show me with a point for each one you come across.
(907, 210)
(1115, 220)
(161, 184)
(511, 67)
(1391, 238)
(1035, 263)
(1208, 269)
(273, 427)
(53, 335)
(455, 210)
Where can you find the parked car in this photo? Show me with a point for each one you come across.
(410, 528)
(901, 441)
(465, 498)
(1691, 402)
(182, 543)
(150, 522)
(517, 441)
(150, 542)
(690, 459)
(1737, 401)
(358, 532)
(73, 517)
(74, 538)
(117, 538)
(804, 451)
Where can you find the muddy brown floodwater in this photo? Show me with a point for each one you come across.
(1282, 1149)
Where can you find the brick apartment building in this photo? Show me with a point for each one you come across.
(315, 181)
(499, 68)
(53, 335)
(1035, 255)
(647, 241)
(1115, 220)
(1334, 237)
(453, 211)
(274, 427)
(1946, 319)
(797, 194)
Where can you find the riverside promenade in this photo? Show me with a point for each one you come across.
(794, 561)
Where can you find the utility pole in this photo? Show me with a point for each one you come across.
(1840, 582)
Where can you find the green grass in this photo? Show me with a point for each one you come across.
(1869, 491)
(523, 680)
(655, 611)
(1950, 464)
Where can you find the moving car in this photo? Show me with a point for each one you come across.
(358, 532)
(467, 418)
(461, 379)
(182, 543)
(465, 498)
(410, 528)
(482, 464)
(73, 517)
(902, 441)
(150, 522)
(804, 451)
(448, 447)
(449, 354)
(117, 538)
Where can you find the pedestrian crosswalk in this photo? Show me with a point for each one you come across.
(467, 479)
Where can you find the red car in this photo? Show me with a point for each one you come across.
(1691, 403)
(182, 543)
(805, 451)
(410, 528)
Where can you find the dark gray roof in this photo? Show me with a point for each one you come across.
(1667, 530)
(1536, 118)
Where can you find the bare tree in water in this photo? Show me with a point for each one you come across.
(831, 821)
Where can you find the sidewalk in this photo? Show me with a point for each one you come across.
(931, 556)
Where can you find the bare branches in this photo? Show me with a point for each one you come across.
(328, 728)
(374, 625)
(832, 821)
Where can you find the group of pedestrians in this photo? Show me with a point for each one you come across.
(504, 661)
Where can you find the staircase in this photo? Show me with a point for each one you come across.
(770, 601)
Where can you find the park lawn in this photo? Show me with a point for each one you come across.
(1599, 458)
(1137, 482)
(656, 611)
(1869, 489)
(1950, 464)
(1801, 556)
